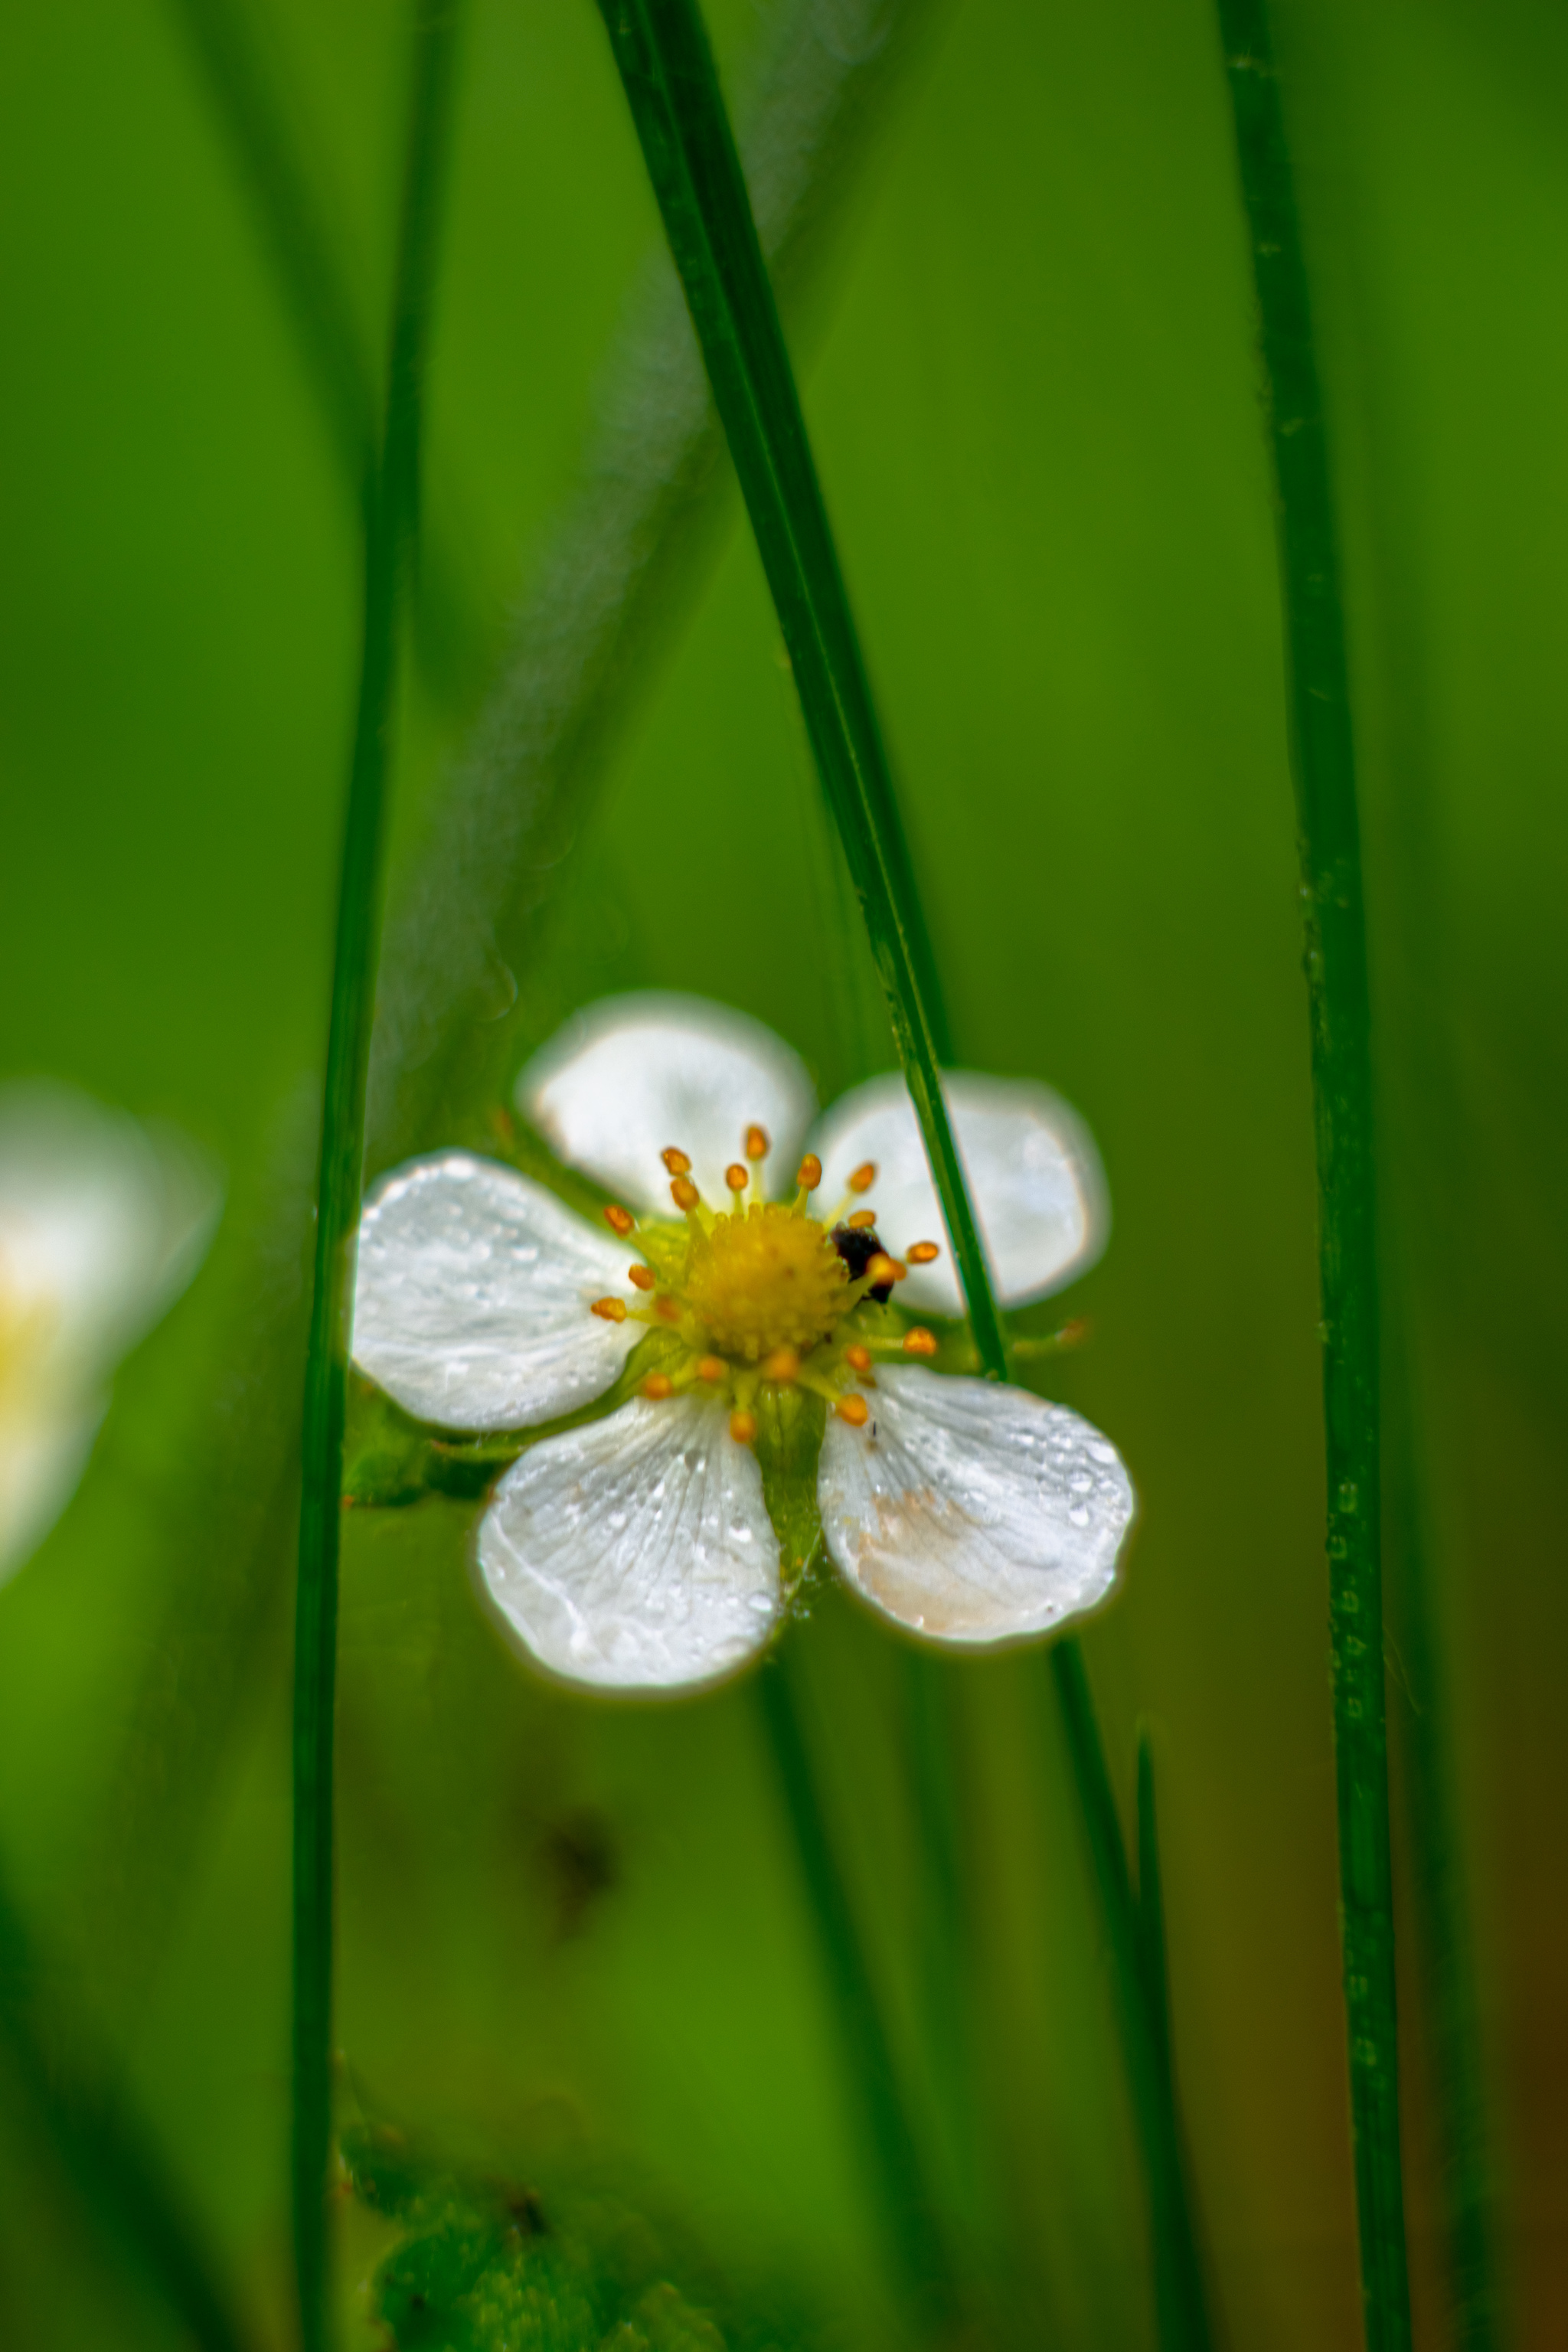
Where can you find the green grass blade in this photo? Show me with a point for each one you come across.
(616, 581)
(305, 253)
(1180, 2299)
(1322, 761)
(666, 65)
(1152, 1956)
(661, 49)
(391, 510)
(916, 2241)
(106, 2151)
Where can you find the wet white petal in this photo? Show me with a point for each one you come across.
(970, 1512)
(102, 1222)
(1033, 1175)
(472, 1296)
(633, 1075)
(636, 1553)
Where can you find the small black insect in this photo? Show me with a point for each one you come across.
(858, 1246)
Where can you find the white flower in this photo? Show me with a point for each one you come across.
(635, 1549)
(102, 1222)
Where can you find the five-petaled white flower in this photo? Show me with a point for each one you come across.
(102, 1222)
(635, 1549)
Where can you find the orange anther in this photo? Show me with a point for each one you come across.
(684, 1192)
(614, 1310)
(862, 1220)
(853, 1409)
(710, 1368)
(620, 1221)
(756, 1143)
(737, 1176)
(644, 1276)
(923, 1253)
(677, 1162)
(1074, 1334)
(857, 1359)
(882, 1268)
(783, 1364)
(743, 1428)
(865, 1176)
(658, 1386)
(666, 1309)
(808, 1175)
(920, 1342)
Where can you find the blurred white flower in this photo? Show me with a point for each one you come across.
(102, 1222)
(637, 1550)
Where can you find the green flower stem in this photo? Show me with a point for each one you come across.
(117, 2169)
(661, 48)
(916, 2241)
(390, 512)
(1323, 765)
(305, 253)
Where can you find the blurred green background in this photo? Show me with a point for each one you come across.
(565, 1924)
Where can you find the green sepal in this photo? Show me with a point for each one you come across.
(789, 1423)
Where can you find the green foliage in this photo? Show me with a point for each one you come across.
(486, 2266)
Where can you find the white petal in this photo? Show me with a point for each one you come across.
(970, 1512)
(472, 1296)
(636, 1553)
(102, 1222)
(1033, 1175)
(631, 1076)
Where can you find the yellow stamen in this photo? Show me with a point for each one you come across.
(620, 1221)
(808, 1175)
(920, 1342)
(666, 1309)
(683, 1192)
(756, 1143)
(743, 1428)
(643, 1276)
(677, 1162)
(658, 1386)
(613, 1310)
(865, 1176)
(784, 1365)
(737, 1176)
(857, 1359)
(710, 1368)
(883, 1268)
(863, 1220)
(923, 1253)
(853, 1409)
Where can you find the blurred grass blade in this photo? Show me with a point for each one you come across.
(116, 2168)
(1322, 761)
(1449, 2002)
(618, 574)
(618, 577)
(391, 523)
(661, 49)
(1151, 1906)
(667, 68)
(1142, 2021)
(915, 2235)
(306, 258)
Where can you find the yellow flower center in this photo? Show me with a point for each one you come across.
(765, 1295)
(764, 1280)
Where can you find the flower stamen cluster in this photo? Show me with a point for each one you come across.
(764, 1294)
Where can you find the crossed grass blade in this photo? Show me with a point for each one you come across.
(391, 529)
(1323, 767)
(661, 49)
